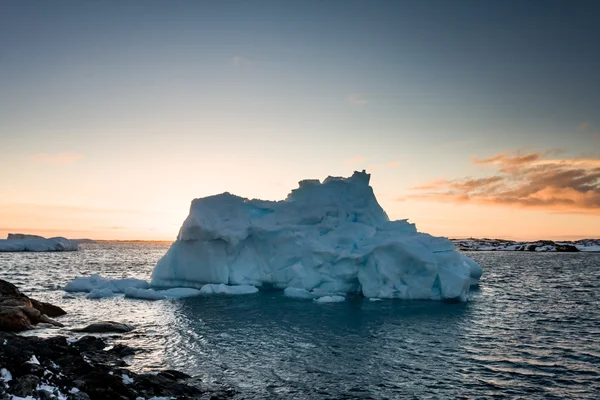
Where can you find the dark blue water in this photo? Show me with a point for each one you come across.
(532, 330)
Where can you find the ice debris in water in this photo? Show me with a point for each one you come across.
(100, 293)
(88, 284)
(227, 289)
(332, 237)
(330, 299)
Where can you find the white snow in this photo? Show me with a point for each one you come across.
(330, 237)
(74, 390)
(227, 289)
(33, 360)
(87, 284)
(5, 375)
(330, 299)
(100, 293)
(126, 379)
(151, 294)
(36, 243)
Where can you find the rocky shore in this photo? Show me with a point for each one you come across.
(85, 367)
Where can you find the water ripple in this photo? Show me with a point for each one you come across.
(530, 331)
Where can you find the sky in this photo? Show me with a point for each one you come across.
(475, 118)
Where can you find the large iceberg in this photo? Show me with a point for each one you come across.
(22, 242)
(331, 237)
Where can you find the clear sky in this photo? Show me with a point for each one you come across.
(475, 118)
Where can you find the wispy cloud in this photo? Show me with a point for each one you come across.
(242, 61)
(533, 180)
(357, 99)
(392, 164)
(57, 158)
(583, 126)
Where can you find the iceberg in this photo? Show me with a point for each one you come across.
(329, 237)
(17, 242)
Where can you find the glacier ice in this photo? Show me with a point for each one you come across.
(228, 289)
(21, 242)
(100, 293)
(330, 238)
(96, 282)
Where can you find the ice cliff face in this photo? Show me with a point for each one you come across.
(331, 237)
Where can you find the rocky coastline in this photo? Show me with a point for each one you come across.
(80, 368)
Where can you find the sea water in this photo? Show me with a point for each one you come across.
(531, 330)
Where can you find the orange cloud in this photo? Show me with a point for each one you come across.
(583, 126)
(57, 158)
(529, 180)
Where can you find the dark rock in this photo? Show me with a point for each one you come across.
(7, 289)
(78, 396)
(45, 395)
(18, 312)
(25, 385)
(123, 351)
(85, 365)
(105, 326)
(566, 248)
(49, 309)
(174, 375)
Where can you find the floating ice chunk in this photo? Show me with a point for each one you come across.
(227, 289)
(100, 293)
(87, 284)
(374, 299)
(5, 375)
(298, 293)
(145, 294)
(326, 238)
(330, 299)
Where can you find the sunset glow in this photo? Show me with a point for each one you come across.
(110, 133)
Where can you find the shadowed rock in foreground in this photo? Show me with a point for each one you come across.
(18, 312)
(57, 368)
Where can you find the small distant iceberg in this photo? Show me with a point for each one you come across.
(19, 242)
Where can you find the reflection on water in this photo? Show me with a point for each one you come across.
(531, 330)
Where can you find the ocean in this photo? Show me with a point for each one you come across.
(531, 330)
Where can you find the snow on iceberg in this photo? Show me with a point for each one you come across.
(330, 237)
(17, 242)
(96, 282)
